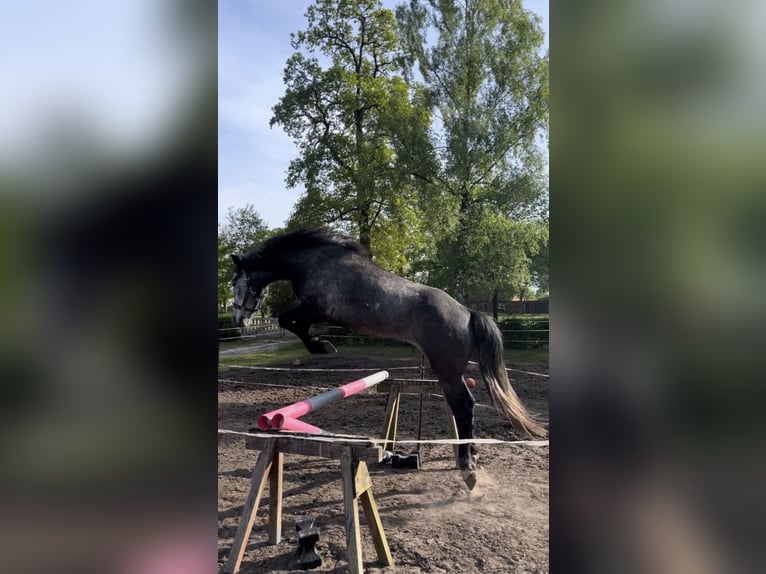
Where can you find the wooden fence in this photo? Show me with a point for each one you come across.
(254, 327)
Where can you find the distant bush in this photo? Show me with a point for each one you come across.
(226, 329)
(524, 332)
(519, 332)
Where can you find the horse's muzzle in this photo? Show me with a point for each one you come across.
(238, 318)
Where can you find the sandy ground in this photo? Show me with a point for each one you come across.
(432, 522)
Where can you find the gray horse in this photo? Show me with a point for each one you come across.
(337, 282)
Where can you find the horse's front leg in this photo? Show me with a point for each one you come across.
(461, 403)
(301, 321)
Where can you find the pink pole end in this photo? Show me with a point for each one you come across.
(470, 382)
(282, 422)
(264, 422)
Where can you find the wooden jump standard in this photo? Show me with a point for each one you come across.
(397, 387)
(357, 488)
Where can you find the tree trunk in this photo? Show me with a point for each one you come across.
(523, 299)
(494, 305)
(362, 189)
(364, 238)
(365, 229)
(462, 247)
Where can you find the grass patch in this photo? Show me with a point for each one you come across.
(233, 344)
(266, 358)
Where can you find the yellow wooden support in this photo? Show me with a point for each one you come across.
(391, 418)
(275, 499)
(357, 488)
(351, 515)
(373, 517)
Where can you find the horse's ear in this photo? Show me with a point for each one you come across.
(237, 261)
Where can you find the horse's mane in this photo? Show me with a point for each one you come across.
(306, 239)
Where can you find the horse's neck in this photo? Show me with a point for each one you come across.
(294, 267)
(290, 267)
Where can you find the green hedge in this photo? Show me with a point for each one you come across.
(519, 332)
(522, 332)
(226, 329)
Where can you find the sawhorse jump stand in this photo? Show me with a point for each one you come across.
(357, 488)
(398, 387)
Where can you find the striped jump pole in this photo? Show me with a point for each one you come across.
(287, 417)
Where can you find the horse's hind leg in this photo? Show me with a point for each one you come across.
(300, 321)
(461, 402)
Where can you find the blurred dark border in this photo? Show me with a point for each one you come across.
(658, 274)
(108, 347)
(107, 338)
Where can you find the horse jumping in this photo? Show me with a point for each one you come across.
(336, 281)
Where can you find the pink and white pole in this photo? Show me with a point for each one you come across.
(287, 417)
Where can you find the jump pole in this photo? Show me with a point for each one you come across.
(287, 416)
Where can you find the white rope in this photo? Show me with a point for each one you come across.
(379, 441)
(258, 383)
(312, 370)
(437, 395)
(529, 373)
(302, 386)
(307, 370)
(517, 370)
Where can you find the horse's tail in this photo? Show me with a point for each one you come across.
(489, 345)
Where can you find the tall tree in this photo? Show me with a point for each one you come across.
(243, 230)
(499, 258)
(481, 64)
(359, 128)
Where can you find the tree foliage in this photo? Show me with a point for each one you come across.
(361, 131)
(243, 230)
(539, 266)
(458, 202)
(481, 66)
(280, 298)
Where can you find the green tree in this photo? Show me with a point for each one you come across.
(539, 266)
(243, 230)
(499, 259)
(481, 65)
(361, 131)
(280, 298)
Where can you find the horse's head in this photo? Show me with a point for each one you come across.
(250, 287)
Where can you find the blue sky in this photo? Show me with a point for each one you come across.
(253, 46)
(108, 72)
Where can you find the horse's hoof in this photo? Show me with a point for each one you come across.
(469, 477)
(328, 347)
